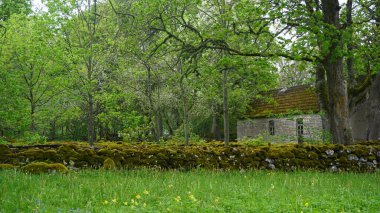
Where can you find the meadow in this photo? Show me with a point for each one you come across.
(189, 191)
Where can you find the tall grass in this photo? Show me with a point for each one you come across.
(195, 191)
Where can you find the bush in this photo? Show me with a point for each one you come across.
(34, 138)
(109, 164)
(7, 166)
(42, 167)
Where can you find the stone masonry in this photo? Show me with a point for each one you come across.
(285, 128)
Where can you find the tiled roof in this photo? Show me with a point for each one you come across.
(301, 99)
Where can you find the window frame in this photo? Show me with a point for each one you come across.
(271, 127)
(300, 127)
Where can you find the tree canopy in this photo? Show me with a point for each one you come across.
(153, 69)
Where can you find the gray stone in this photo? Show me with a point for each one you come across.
(271, 166)
(352, 158)
(329, 152)
(334, 169)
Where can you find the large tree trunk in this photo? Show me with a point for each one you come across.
(374, 110)
(333, 64)
(322, 92)
(350, 46)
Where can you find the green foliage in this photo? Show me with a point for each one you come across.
(34, 138)
(131, 69)
(3, 141)
(258, 141)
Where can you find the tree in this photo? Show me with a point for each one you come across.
(32, 51)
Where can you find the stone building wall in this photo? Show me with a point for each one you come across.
(285, 128)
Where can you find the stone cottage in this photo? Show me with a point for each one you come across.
(289, 114)
(293, 113)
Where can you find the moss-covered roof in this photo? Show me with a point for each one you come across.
(298, 99)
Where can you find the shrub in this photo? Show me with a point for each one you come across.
(34, 138)
(42, 167)
(109, 164)
(4, 149)
(7, 166)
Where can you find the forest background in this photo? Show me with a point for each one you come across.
(156, 69)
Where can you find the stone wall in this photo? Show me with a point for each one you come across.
(285, 128)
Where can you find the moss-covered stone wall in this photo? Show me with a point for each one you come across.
(288, 157)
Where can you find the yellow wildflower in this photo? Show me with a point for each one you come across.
(178, 199)
(216, 200)
(192, 198)
(138, 196)
(306, 204)
(146, 192)
(105, 202)
(144, 205)
(114, 200)
(125, 203)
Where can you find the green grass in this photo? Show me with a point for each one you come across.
(195, 191)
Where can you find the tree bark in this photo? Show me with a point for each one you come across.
(215, 128)
(91, 121)
(225, 108)
(333, 64)
(32, 116)
(374, 110)
(185, 114)
(321, 89)
(350, 46)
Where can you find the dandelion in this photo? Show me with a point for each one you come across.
(138, 196)
(146, 192)
(114, 200)
(306, 204)
(192, 198)
(125, 203)
(105, 202)
(216, 200)
(178, 199)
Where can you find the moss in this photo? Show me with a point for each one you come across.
(42, 167)
(68, 152)
(109, 164)
(38, 155)
(7, 166)
(4, 149)
(312, 155)
(361, 151)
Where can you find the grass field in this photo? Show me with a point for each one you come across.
(195, 191)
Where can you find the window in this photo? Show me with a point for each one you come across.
(271, 127)
(299, 126)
